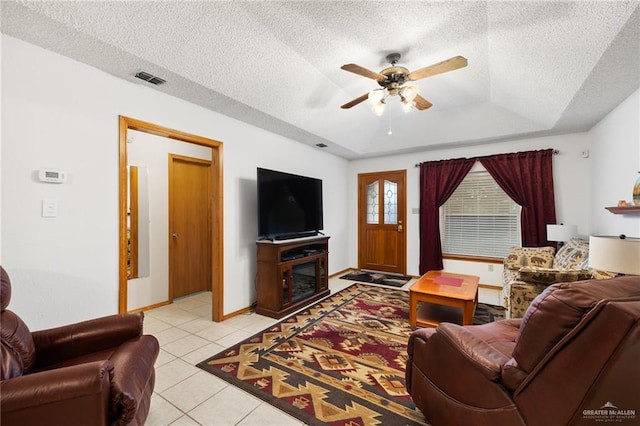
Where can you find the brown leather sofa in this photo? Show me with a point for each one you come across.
(95, 372)
(571, 359)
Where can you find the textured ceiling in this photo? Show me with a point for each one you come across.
(535, 68)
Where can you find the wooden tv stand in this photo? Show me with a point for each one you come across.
(291, 274)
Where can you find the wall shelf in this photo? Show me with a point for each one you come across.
(624, 210)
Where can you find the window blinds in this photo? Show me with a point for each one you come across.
(480, 219)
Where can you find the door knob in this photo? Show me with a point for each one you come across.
(174, 235)
(399, 228)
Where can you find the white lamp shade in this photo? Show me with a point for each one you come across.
(561, 232)
(615, 254)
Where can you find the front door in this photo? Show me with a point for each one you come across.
(189, 225)
(382, 244)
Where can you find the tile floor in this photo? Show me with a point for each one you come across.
(186, 395)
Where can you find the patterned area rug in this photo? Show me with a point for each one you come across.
(488, 313)
(340, 362)
(377, 278)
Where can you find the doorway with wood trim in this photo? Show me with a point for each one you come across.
(215, 205)
(382, 243)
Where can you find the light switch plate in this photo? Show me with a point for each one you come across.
(49, 208)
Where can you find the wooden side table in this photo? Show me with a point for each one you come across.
(438, 289)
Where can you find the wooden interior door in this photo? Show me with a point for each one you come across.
(382, 242)
(189, 225)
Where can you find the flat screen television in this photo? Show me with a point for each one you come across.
(289, 206)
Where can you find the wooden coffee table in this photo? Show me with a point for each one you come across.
(439, 296)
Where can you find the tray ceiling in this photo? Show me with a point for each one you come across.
(535, 68)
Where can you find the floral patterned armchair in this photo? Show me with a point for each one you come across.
(529, 270)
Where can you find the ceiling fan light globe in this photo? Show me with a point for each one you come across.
(378, 109)
(407, 105)
(409, 92)
(375, 96)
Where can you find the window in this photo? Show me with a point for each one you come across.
(390, 200)
(372, 203)
(480, 219)
(390, 203)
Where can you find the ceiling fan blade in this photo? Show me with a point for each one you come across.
(356, 101)
(444, 66)
(422, 103)
(357, 69)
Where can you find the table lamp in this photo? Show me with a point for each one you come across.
(561, 233)
(615, 254)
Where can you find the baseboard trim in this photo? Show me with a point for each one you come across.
(344, 271)
(490, 286)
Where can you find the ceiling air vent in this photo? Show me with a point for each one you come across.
(149, 78)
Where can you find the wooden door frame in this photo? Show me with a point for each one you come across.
(217, 234)
(403, 218)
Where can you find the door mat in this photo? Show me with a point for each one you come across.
(371, 277)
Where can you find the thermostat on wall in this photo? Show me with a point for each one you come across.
(52, 176)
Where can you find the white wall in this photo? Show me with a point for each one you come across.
(65, 269)
(570, 171)
(616, 164)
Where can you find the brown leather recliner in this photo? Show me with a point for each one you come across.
(95, 372)
(571, 359)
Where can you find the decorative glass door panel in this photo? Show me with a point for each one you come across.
(373, 203)
(390, 203)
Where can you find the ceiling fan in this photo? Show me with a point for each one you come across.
(394, 81)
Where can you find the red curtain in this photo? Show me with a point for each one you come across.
(527, 177)
(438, 180)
